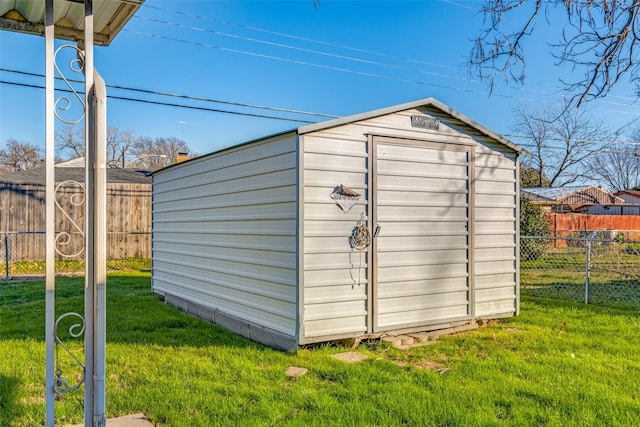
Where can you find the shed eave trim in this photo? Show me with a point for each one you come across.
(232, 147)
(431, 102)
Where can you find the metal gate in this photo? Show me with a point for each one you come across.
(420, 210)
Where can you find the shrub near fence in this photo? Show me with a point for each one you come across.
(585, 267)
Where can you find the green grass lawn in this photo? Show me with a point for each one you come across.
(557, 364)
(561, 273)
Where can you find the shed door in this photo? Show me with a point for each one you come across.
(421, 253)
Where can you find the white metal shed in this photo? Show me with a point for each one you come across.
(254, 237)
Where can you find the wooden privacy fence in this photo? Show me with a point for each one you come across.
(22, 220)
(568, 225)
(30, 246)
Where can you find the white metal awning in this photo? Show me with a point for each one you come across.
(27, 16)
(89, 23)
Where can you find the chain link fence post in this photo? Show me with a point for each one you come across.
(588, 267)
(6, 256)
(587, 279)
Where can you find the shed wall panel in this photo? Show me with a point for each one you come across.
(430, 199)
(424, 317)
(356, 276)
(316, 330)
(335, 277)
(225, 232)
(495, 231)
(427, 258)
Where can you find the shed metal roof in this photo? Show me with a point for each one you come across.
(27, 16)
(426, 102)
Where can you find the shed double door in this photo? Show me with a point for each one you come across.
(421, 257)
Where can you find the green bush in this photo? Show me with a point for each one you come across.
(533, 223)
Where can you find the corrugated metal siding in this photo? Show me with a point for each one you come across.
(422, 254)
(335, 276)
(495, 231)
(224, 233)
(333, 273)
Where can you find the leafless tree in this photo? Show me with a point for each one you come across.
(120, 146)
(70, 142)
(124, 148)
(19, 155)
(561, 141)
(159, 152)
(599, 40)
(618, 166)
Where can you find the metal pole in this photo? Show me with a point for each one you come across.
(89, 288)
(588, 270)
(49, 214)
(99, 249)
(6, 256)
(95, 282)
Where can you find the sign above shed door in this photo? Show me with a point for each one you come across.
(421, 253)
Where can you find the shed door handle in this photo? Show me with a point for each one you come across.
(377, 231)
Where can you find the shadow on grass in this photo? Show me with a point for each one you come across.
(135, 315)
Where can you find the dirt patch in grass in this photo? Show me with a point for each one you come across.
(430, 365)
(422, 364)
(350, 357)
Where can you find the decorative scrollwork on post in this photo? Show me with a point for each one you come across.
(64, 103)
(75, 330)
(64, 239)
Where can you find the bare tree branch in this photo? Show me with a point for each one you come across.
(159, 152)
(563, 140)
(618, 168)
(599, 41)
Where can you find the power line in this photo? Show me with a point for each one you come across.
(333, 68)
(461, 5)
(551, 147)
(294, 37)
(575, 140)
(311, 64)
(151, 92)
(168, 104)
(334, 45)
(579, 149)
(286, 46)
(193, 98)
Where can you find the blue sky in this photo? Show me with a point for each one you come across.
(338, 58)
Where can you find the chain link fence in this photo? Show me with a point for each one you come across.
(22, 253)
(594, 267)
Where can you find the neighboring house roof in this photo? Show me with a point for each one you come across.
(571, 195)
(634, 193)
(70, 172)
(78, 162)
(552, 193)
